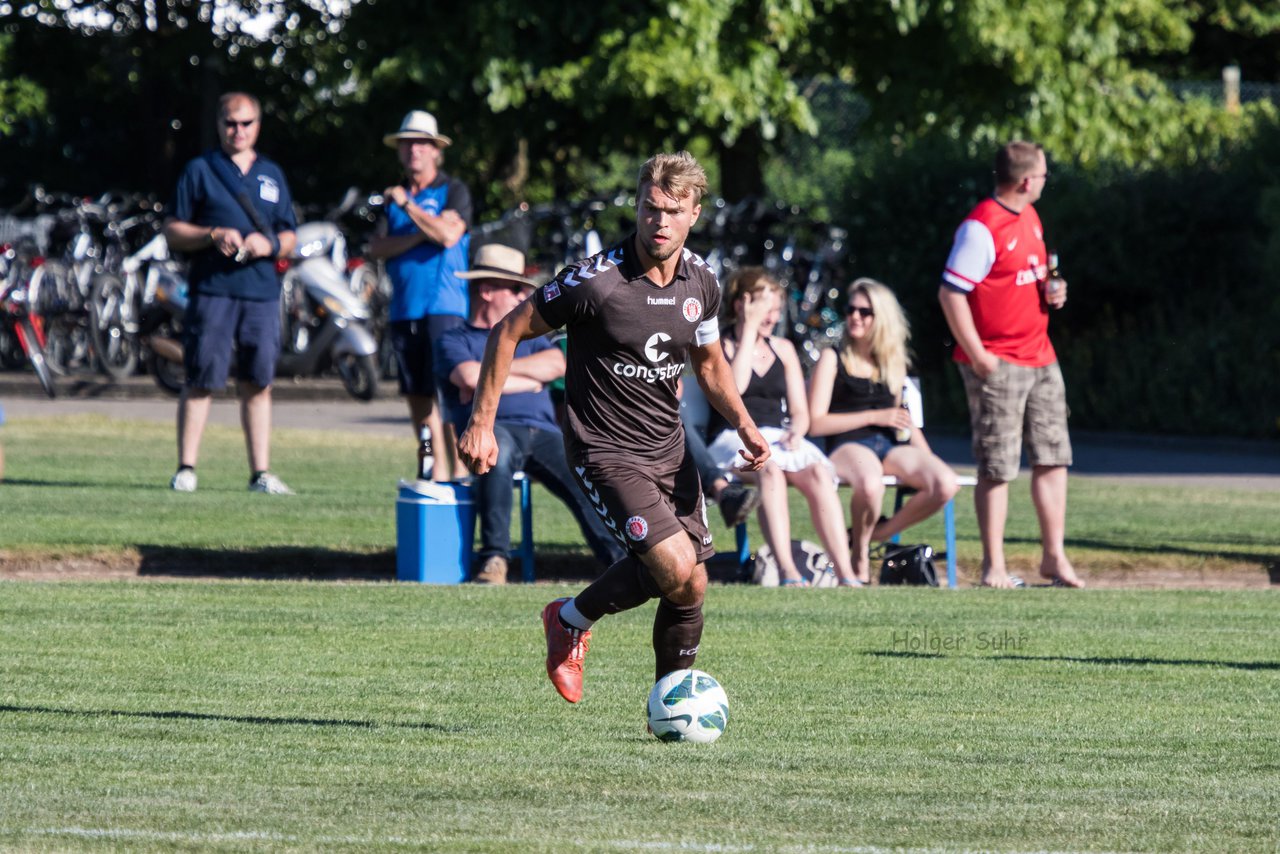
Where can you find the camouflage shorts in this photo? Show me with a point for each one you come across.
(1014, 405)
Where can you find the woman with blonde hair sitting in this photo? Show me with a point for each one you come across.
(855, 399)
(767, 372)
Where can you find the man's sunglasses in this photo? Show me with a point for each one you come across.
(515, 287)
(861, 310)
(233, 123)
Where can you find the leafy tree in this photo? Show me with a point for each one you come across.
(1081, 76)
(541, 93)
(20, 98)
(132, 85)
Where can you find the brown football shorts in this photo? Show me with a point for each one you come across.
(643, 502)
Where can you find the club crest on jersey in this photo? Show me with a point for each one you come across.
(637, 528)
(692, 310)
(550, 291)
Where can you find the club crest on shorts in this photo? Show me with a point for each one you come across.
(637, 528)
(692, 310)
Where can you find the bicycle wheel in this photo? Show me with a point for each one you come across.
(111, 330)
(35, 354)
(11, 356)
(65, 337)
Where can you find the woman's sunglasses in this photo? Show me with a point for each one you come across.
(865, 312)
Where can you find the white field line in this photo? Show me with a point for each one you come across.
(620, 844)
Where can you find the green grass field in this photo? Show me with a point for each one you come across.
(283, 715)
(85, 485)
(304, 716)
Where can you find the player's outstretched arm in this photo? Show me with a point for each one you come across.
(716, 378)
(477, 446)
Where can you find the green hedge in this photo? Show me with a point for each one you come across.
(1173, 325)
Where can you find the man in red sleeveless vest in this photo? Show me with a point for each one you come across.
(996, 293)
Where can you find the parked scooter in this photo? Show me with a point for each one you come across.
(160, 328)
(322, 324)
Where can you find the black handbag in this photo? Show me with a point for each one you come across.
(908, 565)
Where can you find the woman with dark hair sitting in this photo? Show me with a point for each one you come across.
(769, 378)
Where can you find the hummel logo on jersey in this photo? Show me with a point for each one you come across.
(661, 300)
(651, 351)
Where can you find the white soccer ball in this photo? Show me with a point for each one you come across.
(688, 705)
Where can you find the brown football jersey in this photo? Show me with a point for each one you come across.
(628, 342)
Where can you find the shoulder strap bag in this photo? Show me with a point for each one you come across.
(223, 170)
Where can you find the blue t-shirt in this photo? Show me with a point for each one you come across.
(466, 343)
(423, 278)
(203, 199)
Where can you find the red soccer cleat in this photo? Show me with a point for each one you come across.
(565, 650)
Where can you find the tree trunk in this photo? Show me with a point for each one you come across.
(741, 169)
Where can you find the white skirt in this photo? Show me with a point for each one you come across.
(724, 451)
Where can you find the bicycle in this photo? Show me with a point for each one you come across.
(17, 321)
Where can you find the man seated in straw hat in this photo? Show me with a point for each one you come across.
(424, 243)
(528, 437)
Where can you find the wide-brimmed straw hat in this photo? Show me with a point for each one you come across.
(417, 124)
(495, 261)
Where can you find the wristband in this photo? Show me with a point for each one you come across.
(275, 245)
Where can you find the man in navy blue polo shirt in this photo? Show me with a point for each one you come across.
(529, 439)
(424, 243)
(233, 215)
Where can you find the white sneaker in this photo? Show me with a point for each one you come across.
(270, 484)
(184, 481)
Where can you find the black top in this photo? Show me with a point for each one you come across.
(858, 394)
(766, 396)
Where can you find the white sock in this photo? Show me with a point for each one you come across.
(571, 616)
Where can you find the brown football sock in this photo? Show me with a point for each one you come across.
(677, 631)
(625, 585)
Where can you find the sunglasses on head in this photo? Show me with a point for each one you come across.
(860, 310)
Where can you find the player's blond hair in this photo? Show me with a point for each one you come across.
(678, 175)
(890, 333)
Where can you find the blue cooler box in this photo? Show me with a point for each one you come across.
(435, 525)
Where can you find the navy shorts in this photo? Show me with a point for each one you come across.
(213, 324)
(878, 443)
(412, 341)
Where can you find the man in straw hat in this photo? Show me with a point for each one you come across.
(634, 315)
(525, 427)
(424, 243)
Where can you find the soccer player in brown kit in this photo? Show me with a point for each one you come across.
(633, 313)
